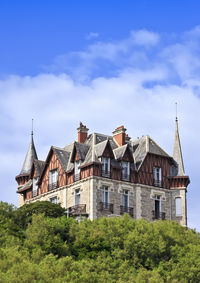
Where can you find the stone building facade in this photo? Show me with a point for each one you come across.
(101, 175)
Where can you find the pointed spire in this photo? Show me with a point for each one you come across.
(30, 156)
(177, 153)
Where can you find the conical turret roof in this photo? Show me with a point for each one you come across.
(30, 156)
(177, 153)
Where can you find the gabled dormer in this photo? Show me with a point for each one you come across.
(124, 156)
(53, 173)
(105, 154)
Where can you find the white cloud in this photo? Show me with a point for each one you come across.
(141, 98)
(145, 38)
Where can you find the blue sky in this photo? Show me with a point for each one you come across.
(105, 63)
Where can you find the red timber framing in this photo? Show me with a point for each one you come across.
(145, 172)
(52, 163)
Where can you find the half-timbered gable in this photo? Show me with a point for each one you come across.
(53, 174)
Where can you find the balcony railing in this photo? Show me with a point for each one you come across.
(78, 209)
(106, 206)
(53, 186)
(125, 177)
(105, 173)
(157, 183)
(77, 177)
(158, 215)
(126, 209)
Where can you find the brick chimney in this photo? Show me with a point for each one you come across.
(82, 133)
(119, 135)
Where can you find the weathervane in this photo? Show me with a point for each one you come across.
(32, 128)
(176, 112)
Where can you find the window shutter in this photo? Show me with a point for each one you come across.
(154, 173)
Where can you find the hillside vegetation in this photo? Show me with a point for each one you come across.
(38, 243)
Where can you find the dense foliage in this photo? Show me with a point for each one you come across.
(50, 247)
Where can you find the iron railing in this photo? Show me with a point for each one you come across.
(77, 209)
(126, 209)
(53, 186)
(158, 215)
(105, 173)
(106, 206)
(157, 183)
(125, 177)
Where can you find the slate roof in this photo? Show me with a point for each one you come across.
(82, 150)
(95, 145)
(177, 152)
(26, 186)
(120, 151)
(63, 156)
(39, 164)
(30, 156)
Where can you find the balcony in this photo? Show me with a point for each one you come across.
(53, 186)
(158, 215)
(126, 209)
(79, 209)
(77, 177)
(157, 183)
(105, 206)
(125, 177)
(105, 173)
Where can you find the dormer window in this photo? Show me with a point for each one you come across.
(157, 175)
(53, 179)
(105, 167)
(125, 171)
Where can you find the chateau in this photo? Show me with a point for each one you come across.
(100, 175)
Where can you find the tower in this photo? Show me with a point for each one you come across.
(181, 180)
(31, 155)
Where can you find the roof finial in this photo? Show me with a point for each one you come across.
(32, 128)
(176, 112)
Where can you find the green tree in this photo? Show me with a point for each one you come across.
(25, 212)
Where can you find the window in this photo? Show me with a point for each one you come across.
(35, 187)
(76, 167)
(105, 194)
(157, 204)
(173, 171)
(125, 198)
(77, 196)
(54, 200)
(125, 170)
(53, 176)
(178, 206)
(77, 171)
(105, 204)
(106, 167)
(157, 176)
